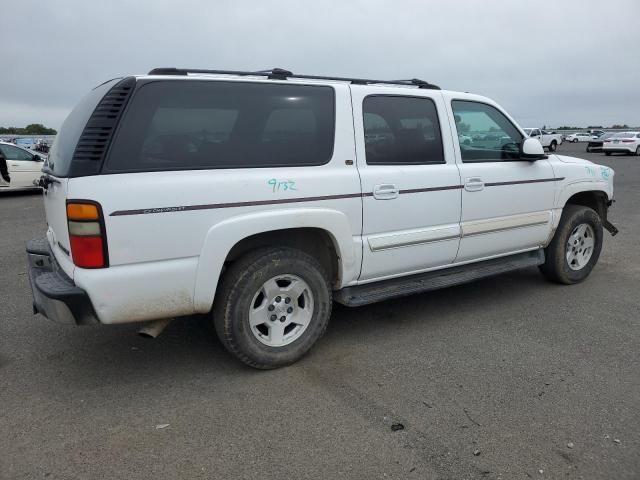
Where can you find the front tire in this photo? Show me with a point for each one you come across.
(575, 247)
(608, 154)
(553, 146)
(272, 306)
(575, 140)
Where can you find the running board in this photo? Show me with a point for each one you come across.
(399, 287)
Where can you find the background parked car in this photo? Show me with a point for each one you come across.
(24, 167)
(465, 139)
(29, 143)
(623, 142)
(42, 145)
(578, 137)
(595, 144)
(596, 133)
(548, 140)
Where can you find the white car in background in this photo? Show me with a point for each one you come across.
(465, 139)
(622, 142)
(24, 167)
(578, 137)
(548, 140)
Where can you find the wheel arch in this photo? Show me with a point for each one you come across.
(324, 233)
(597, 200)
(317, 242)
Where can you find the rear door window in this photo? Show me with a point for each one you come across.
(401, 131)
(182, 125)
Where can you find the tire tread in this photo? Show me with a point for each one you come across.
(231, 284)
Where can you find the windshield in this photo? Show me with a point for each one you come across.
(623, 135)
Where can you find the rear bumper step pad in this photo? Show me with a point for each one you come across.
(54, 294)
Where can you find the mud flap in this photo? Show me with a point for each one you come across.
(610, 228)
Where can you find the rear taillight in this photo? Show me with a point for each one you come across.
(628, 141)
(607, 141)
(87, 234)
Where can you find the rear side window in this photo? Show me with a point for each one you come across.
(181, 125)
(401, 131)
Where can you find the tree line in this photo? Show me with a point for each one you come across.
(33, 129)
(614, 127)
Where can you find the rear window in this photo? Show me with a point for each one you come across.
(61, 152)
(180, 125)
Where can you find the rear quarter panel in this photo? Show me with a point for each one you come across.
(169, 232)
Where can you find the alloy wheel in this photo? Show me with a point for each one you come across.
(579, 247)
(281, 310)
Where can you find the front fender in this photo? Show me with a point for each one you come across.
(221, 238)
(570, 189)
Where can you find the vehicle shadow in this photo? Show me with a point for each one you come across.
(188, 348)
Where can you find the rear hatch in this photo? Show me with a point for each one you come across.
(77, 151)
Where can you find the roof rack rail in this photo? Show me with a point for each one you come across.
(282, 74)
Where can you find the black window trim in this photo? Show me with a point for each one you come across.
(518, 129)
(141, 83)
(435, 106)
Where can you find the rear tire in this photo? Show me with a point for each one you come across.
(284, 283)
(588, 149)
(575, 247)
(607, 154)
(638, 151)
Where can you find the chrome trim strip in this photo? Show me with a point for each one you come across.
(492, 225)
(388, 241)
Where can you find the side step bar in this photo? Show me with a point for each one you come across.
(399, 287)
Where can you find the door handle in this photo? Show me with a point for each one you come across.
(15, 164)
(385, 191)
(473, 184)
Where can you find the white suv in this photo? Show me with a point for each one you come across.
(262, 197)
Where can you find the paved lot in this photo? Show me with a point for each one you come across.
(513, 368)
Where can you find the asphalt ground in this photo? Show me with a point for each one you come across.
(510, 377)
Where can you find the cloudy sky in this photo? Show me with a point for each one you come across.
(568, 62)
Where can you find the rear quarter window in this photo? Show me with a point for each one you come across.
(61, 152)
(196, 124)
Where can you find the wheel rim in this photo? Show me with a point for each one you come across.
(580, 246)
(281, 310)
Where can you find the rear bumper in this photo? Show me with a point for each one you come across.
(54, 294)
(619, 148)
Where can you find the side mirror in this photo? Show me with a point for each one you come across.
(37, 158)
(531, 149)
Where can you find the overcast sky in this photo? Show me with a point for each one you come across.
(568, 62)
